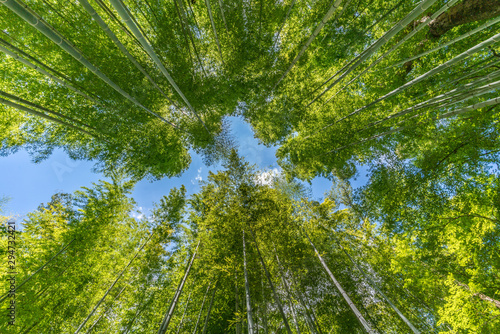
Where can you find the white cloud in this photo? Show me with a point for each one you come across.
(138, 214)
(198, 177)
(265, 178)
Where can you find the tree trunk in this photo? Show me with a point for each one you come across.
(88, 7)
(111, 287)
(287, 289)
(465, 12)
(307, 316)
(276, 298)
(236, 301)
(105, 311)
(290, 301)
(201, 309)
(247, 289)
(209, 309)
(168, 316)
(184, 314)
(123, 12)
(38, 23)
(42, 71)
(209, 9)
(327, 16)
(482, 296)
(264, 317)
(355, 310)
(38, 270)
(374, 286)
(49, 118)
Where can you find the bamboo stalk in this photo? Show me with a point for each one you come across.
(209, 309)
(443, 116)
(42, 71)
(374, 285)
(325, 19)
(348, 300)
(38, 270)
(426, 75)
(173, 304)
(39, 107)
(88, 7)
(47, 117)
(38, 23)
(275, 295)
(394, 47)
(201, 309)
(247, 290)
(368, 52)
(129, 21)
(105, 311)
(112, 285)
(209, 9)
(453, 41)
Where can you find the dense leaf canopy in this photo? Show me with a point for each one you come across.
(407, 88)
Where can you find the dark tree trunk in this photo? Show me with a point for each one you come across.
(464, 12)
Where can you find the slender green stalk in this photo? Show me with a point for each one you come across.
(105, 311)
(394, 47)
(38, 23)
(47, 117)
(276, 297)
(209, 9)
(118, 22)
(223, 16)
(384, 16)
(138, 312)
(129, 21)
(247, 290)
(357, 57)
(168, 316)
(112, 286)
(190, 34)
(422, 7)
(39, 107)
(38, 270)
(305, 309)
(284, 21)
(50, 69)
(453, 41)
(288, 293)
(374, 285)
(443, 116)
(201, 309)
(422, 77)
(209, 309)
(42, 71)
(184, 313)
(325, 19)
(457, 92)
(88, 7)
(353, 307)
(184, 30)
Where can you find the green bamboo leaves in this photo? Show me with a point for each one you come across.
(368, 52)
(324, 20)
(41, 26)
(124, 14)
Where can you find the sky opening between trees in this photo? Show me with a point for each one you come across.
(406, 89)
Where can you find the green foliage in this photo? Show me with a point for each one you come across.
(413, 99)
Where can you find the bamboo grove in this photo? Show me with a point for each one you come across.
(406, 88)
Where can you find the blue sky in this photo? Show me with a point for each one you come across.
(28, 184)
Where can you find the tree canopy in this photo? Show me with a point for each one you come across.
(408, 89)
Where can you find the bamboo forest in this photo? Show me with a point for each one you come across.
(404, 91)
